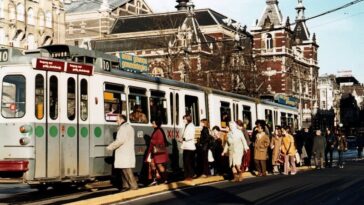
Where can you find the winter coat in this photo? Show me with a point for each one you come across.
(319, 144)
(330, 141)
(261, 146)
(124, 147)
(288, 147)
(188, 137)
(206, 139)
(342, 144)
(236, 145)
(276, 143)
(157, 140)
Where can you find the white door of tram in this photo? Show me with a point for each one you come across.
(75, 137)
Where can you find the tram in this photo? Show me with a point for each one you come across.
(59, 105)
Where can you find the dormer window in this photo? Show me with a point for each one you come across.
(30, 17)
(268, 41)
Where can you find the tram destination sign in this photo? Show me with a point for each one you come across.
(82, 69)
(133, 63)
(49, 65)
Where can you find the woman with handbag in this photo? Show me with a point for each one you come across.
(288, 148)
(157, 154)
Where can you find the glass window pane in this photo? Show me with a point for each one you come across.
(114, 101)
(225, 114)
(247, 117)
(158, 107)
(138, 104)
(39, 97)
(84, 100)
(13, 96)
(171, 107)
(192, 108)
(53, 97)
(71, 99)
(177, 109)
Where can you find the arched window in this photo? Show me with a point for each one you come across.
(12, 12)
(20, 12)
(1, 8)
(41, 19)
(30, 17)
(48, 19)
(268, 41)
(31, 42)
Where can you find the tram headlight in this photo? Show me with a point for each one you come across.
(25, 128)
(24, 141)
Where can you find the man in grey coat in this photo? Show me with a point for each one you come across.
(124, 153)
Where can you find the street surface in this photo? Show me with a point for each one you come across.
(327, 186)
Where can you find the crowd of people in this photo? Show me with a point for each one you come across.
(228, 151)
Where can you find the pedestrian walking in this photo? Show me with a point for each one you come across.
(330, 146)
(217, 150)
(261, 151)
(124, 153)
(157, 154)
(275, 145)
(289, 150)
(188, 147)
(318, 149)
(203, 148)
(342, 146)
(246, 157)
(235, 147)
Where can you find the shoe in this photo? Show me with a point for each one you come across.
(293, 173)
(153, 183)
(124, 189)
(203, 176)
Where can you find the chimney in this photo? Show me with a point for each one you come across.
(182, 5)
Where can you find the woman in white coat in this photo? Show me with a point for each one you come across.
(235, 146)
(188, 147)
(124, 153)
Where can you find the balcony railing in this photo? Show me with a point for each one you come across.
(285, 51)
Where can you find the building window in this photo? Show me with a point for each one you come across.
(31, 42)
(30, 17)
(1, 8)
(269, 41)
(20, 12)
(49, 19)
(41, 19)
(12, 13)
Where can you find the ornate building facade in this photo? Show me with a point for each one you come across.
(197, 46)
(88, 20)
(286, 55)
(28, 24)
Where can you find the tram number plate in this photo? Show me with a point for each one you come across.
(4, 55)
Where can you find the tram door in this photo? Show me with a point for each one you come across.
(75, 126)
(47, 125)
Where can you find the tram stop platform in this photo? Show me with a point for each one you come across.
(127, 195)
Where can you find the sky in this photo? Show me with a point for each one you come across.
(340, 35)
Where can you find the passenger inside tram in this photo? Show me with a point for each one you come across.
(137, 115)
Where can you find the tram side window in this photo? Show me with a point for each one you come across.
(225, 114)
(283, 119)
(84, 100)
(138, 104)
(158, 106)
(13, 96)
(290, 121)
(247, 117)
(39, 97)
(236, 111)
(295, 122)
(114, 101)
(53, 97)
(269, 118)
(191, 108)
(71, 99)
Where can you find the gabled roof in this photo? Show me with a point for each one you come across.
(301, 31)
(91, 5)
(272, 15)
(164, 21)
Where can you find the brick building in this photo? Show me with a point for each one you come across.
(198, 46)
(28, 24)
(92, 19)
(286, 54)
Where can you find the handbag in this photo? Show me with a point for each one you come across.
(297, 157)
(210, 157)
(280, 158)
(159, 149)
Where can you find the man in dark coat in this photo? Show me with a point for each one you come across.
(318, 149)
(330, 145)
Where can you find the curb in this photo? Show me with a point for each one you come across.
(113, 198)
